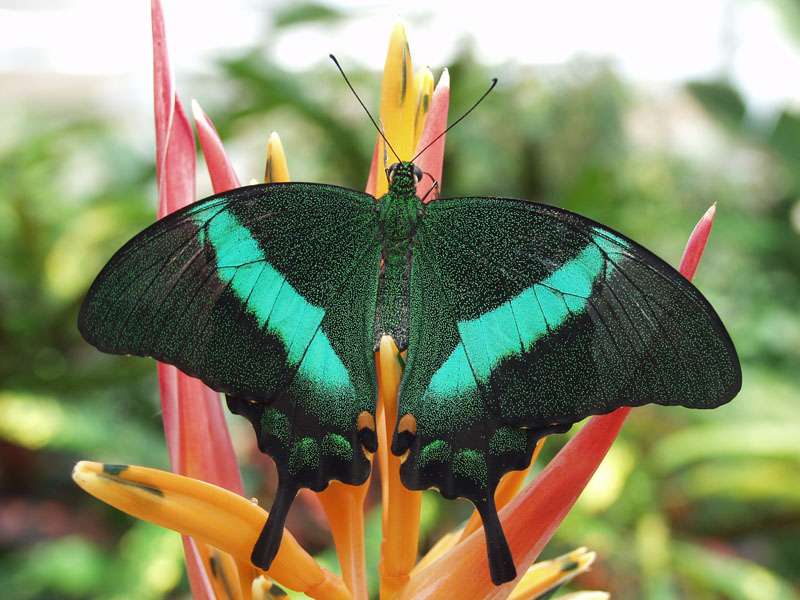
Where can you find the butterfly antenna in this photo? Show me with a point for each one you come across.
(350, 85)
(458, 120)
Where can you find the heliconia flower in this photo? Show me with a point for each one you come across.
(209, 513)
(277, 169)
(203, 499)
(697, 242)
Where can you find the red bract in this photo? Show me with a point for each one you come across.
(197, 436)
(432, 160)
(220, 170)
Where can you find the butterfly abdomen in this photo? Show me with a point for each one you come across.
(397, 215)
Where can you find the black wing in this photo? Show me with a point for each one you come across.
(525, 319)
(266, 293)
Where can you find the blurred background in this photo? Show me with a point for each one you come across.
(637, 114)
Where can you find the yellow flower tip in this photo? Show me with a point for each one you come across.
(277, 167)
(390, 364)
(260, 590)
(263, 588)
(94, 477)
(546, 575)
(84, 468)
(85, 473)
(398, 104)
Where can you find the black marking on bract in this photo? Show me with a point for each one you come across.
(570, 566)
(112, 469)
(134, 484)
(212, 563)
(276, 590)
(550, 593)
(218, 571)
(404, 74)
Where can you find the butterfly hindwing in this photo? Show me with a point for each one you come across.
(525, 319)
(266, 293)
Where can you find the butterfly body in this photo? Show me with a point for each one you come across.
(398, 212)
(519, 320)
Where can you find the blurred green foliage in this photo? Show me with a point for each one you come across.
(687, 505)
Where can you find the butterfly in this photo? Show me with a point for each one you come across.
(519, 320)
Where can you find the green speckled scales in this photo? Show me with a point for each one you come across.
(526, 319)
(519, 319)
(266, 293)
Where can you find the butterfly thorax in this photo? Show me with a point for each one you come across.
(398, 212)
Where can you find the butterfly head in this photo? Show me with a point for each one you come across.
(403, 178)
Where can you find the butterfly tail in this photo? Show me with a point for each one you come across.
(269, 540)
(501, 562)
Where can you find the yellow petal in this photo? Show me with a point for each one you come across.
(508, 487)
(277, 169)
(208, 513)
(398, 104)
(344, 507)
(423, 82)
(223, 573)
(546, 575)
(401, 506)
(586, 596)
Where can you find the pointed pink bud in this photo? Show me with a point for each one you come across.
(176, 178)
(697, 243)
(432, 160)
(163, 87)
(373, 168)
(220, 170)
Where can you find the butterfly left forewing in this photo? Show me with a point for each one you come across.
(526, 319)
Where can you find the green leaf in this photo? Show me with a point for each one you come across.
(726, 440)
(70, 567)
(733, 577)
(307, 12)
(721, 100)
(785, 137)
